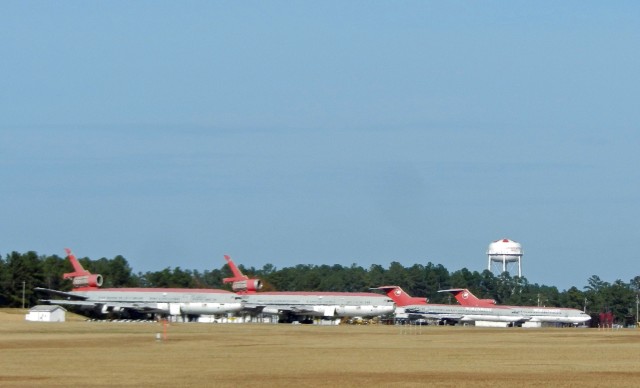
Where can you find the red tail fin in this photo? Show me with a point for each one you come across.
(241, 282)
(79, 270)
(237, 275)
(82, 278)
(401, 298)
(466, 298)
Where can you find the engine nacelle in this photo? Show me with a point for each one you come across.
(209, 308)
(249, 285)
(87, 281)
(364, 310)
(488, 301)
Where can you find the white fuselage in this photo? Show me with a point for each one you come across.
(552, 314)
(327, 304)
(503, 313)
(466, 314)
(172, 301)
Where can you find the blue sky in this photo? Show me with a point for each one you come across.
(323, 133)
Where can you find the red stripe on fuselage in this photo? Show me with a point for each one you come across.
(321, 293)
(189, 290)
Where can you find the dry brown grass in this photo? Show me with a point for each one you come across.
(79, 353)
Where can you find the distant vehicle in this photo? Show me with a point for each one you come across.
(534, 313)
(419, 308)
(302, 305)
(88, 296)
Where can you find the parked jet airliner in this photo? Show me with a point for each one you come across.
(297, 305)
(535, 313)
(449, 314)
(88, 295)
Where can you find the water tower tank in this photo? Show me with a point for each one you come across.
(503, 254)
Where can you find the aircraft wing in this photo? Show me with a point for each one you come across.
(253, 308)
(419, 313)
(139, 307)
(72, 299)
(328, 311)
(63, 294)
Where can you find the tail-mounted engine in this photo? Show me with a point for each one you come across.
(241, 282)
(248, 285)
(488, 301)
(87, 281)
(81, 277)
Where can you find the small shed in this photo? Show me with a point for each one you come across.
(46, 313)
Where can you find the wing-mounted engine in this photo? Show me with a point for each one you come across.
(81, 277)
(248, 285)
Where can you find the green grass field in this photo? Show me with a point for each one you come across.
(79, 353)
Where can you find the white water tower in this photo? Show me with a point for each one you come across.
(504, 256)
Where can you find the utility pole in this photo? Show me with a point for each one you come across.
(23, 284)
(637, 304)
(585, 305)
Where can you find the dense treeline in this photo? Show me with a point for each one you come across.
(20, 273)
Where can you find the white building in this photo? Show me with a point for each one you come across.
(46, 313)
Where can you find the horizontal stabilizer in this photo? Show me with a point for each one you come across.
(452, 290)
